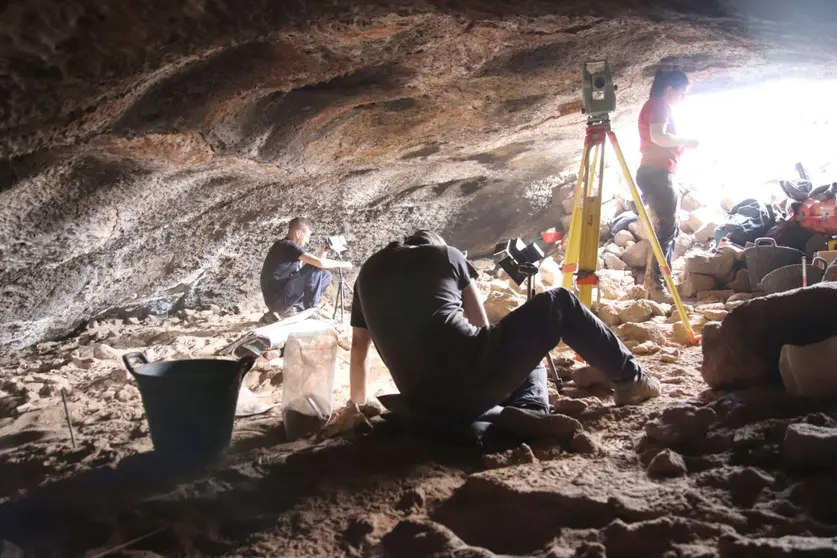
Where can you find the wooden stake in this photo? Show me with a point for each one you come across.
(67, 415)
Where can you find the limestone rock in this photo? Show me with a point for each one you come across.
(412, 500)
(517, 456)
(807, 446)
(106, 352)
(550, 272)
(715, 315)
(732, 545)
(682, 244)
(635, 311)
(614, 284)
(691, 201)
(667, 463)
(669, 355)
(570, 406)
(718, 265)
(696, 220)
(695, 283)
(568, 204)
(614, 249)
(681, 424)
(740, 282)
(646, 348)
(637, 228)
(607, 313)
(636, 292)
(745, 348)
(499, 304)
(587, 376)
(714, 296)
(706, 232)
(584, 444)
(566, 222)
(623, 237)
(681, 335)
(612, 261)
(641, 333)
(636, 255)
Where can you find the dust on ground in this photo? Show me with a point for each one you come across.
(694, 473)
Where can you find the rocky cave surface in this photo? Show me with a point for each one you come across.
(152, 151)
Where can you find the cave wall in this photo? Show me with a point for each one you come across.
(151, 151)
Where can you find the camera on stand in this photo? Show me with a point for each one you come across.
(521, 263)
(337, 243)
(517, 259)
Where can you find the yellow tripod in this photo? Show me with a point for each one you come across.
(582, 254)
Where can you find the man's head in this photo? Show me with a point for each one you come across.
(299, 230)
(425, 237)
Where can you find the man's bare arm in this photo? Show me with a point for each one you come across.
(472, 305)
(661, 136)
(360, 362)
(324, 263)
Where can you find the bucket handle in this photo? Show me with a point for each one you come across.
(127, 357)
(766, 241)
(821, 261)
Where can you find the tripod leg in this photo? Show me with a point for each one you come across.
(589, 249)
(655, 244)
(570, 265)
(559, 383)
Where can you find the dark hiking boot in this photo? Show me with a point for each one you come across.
(532, 424)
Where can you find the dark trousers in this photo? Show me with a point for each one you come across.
(510, 372)
(663, 200)
(301, 290)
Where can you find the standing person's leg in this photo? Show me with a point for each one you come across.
(659, 192)
(315, 282)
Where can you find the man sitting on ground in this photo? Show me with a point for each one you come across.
(288, 286)
(417, 301)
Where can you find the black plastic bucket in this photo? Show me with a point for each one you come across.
(790, 277)
(190, 405)
(766, 256)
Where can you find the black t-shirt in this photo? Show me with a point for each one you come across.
(410, 300)
(282, 262)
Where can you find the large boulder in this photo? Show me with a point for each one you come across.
(740, 282)
(615, 284)
(550, 272)
(638, 229)
(745, 348)
(640, 333)
(636, 311)
(717, 264)
(623, 237)
(636, 255)
(682, 244)
(612, 261)
(499, 303)
(695, 283)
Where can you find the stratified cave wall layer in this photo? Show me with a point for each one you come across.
(152, 151)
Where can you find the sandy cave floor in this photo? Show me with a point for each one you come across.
(383, 492)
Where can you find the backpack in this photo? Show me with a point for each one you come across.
(749, 220)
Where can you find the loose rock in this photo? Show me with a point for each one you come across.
(740, 282)
(584, 444)
(636, 255)
(412, 500)
(623, 237)
(681, 424)
(807, 446)
(587, 376)
(646, 348)
(695, 283)
(636, 311)
(669, 354)
(106, 352)
(641, 333)
(612, 261)
(667, 463)
(718, 265)
(520, 455)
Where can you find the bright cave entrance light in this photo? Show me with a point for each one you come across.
(751, 136)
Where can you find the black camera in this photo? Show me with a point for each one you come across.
(517, 259)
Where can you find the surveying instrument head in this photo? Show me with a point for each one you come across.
(598, 91)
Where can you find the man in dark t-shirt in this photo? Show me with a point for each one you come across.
(418, 303)
(292, 279)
